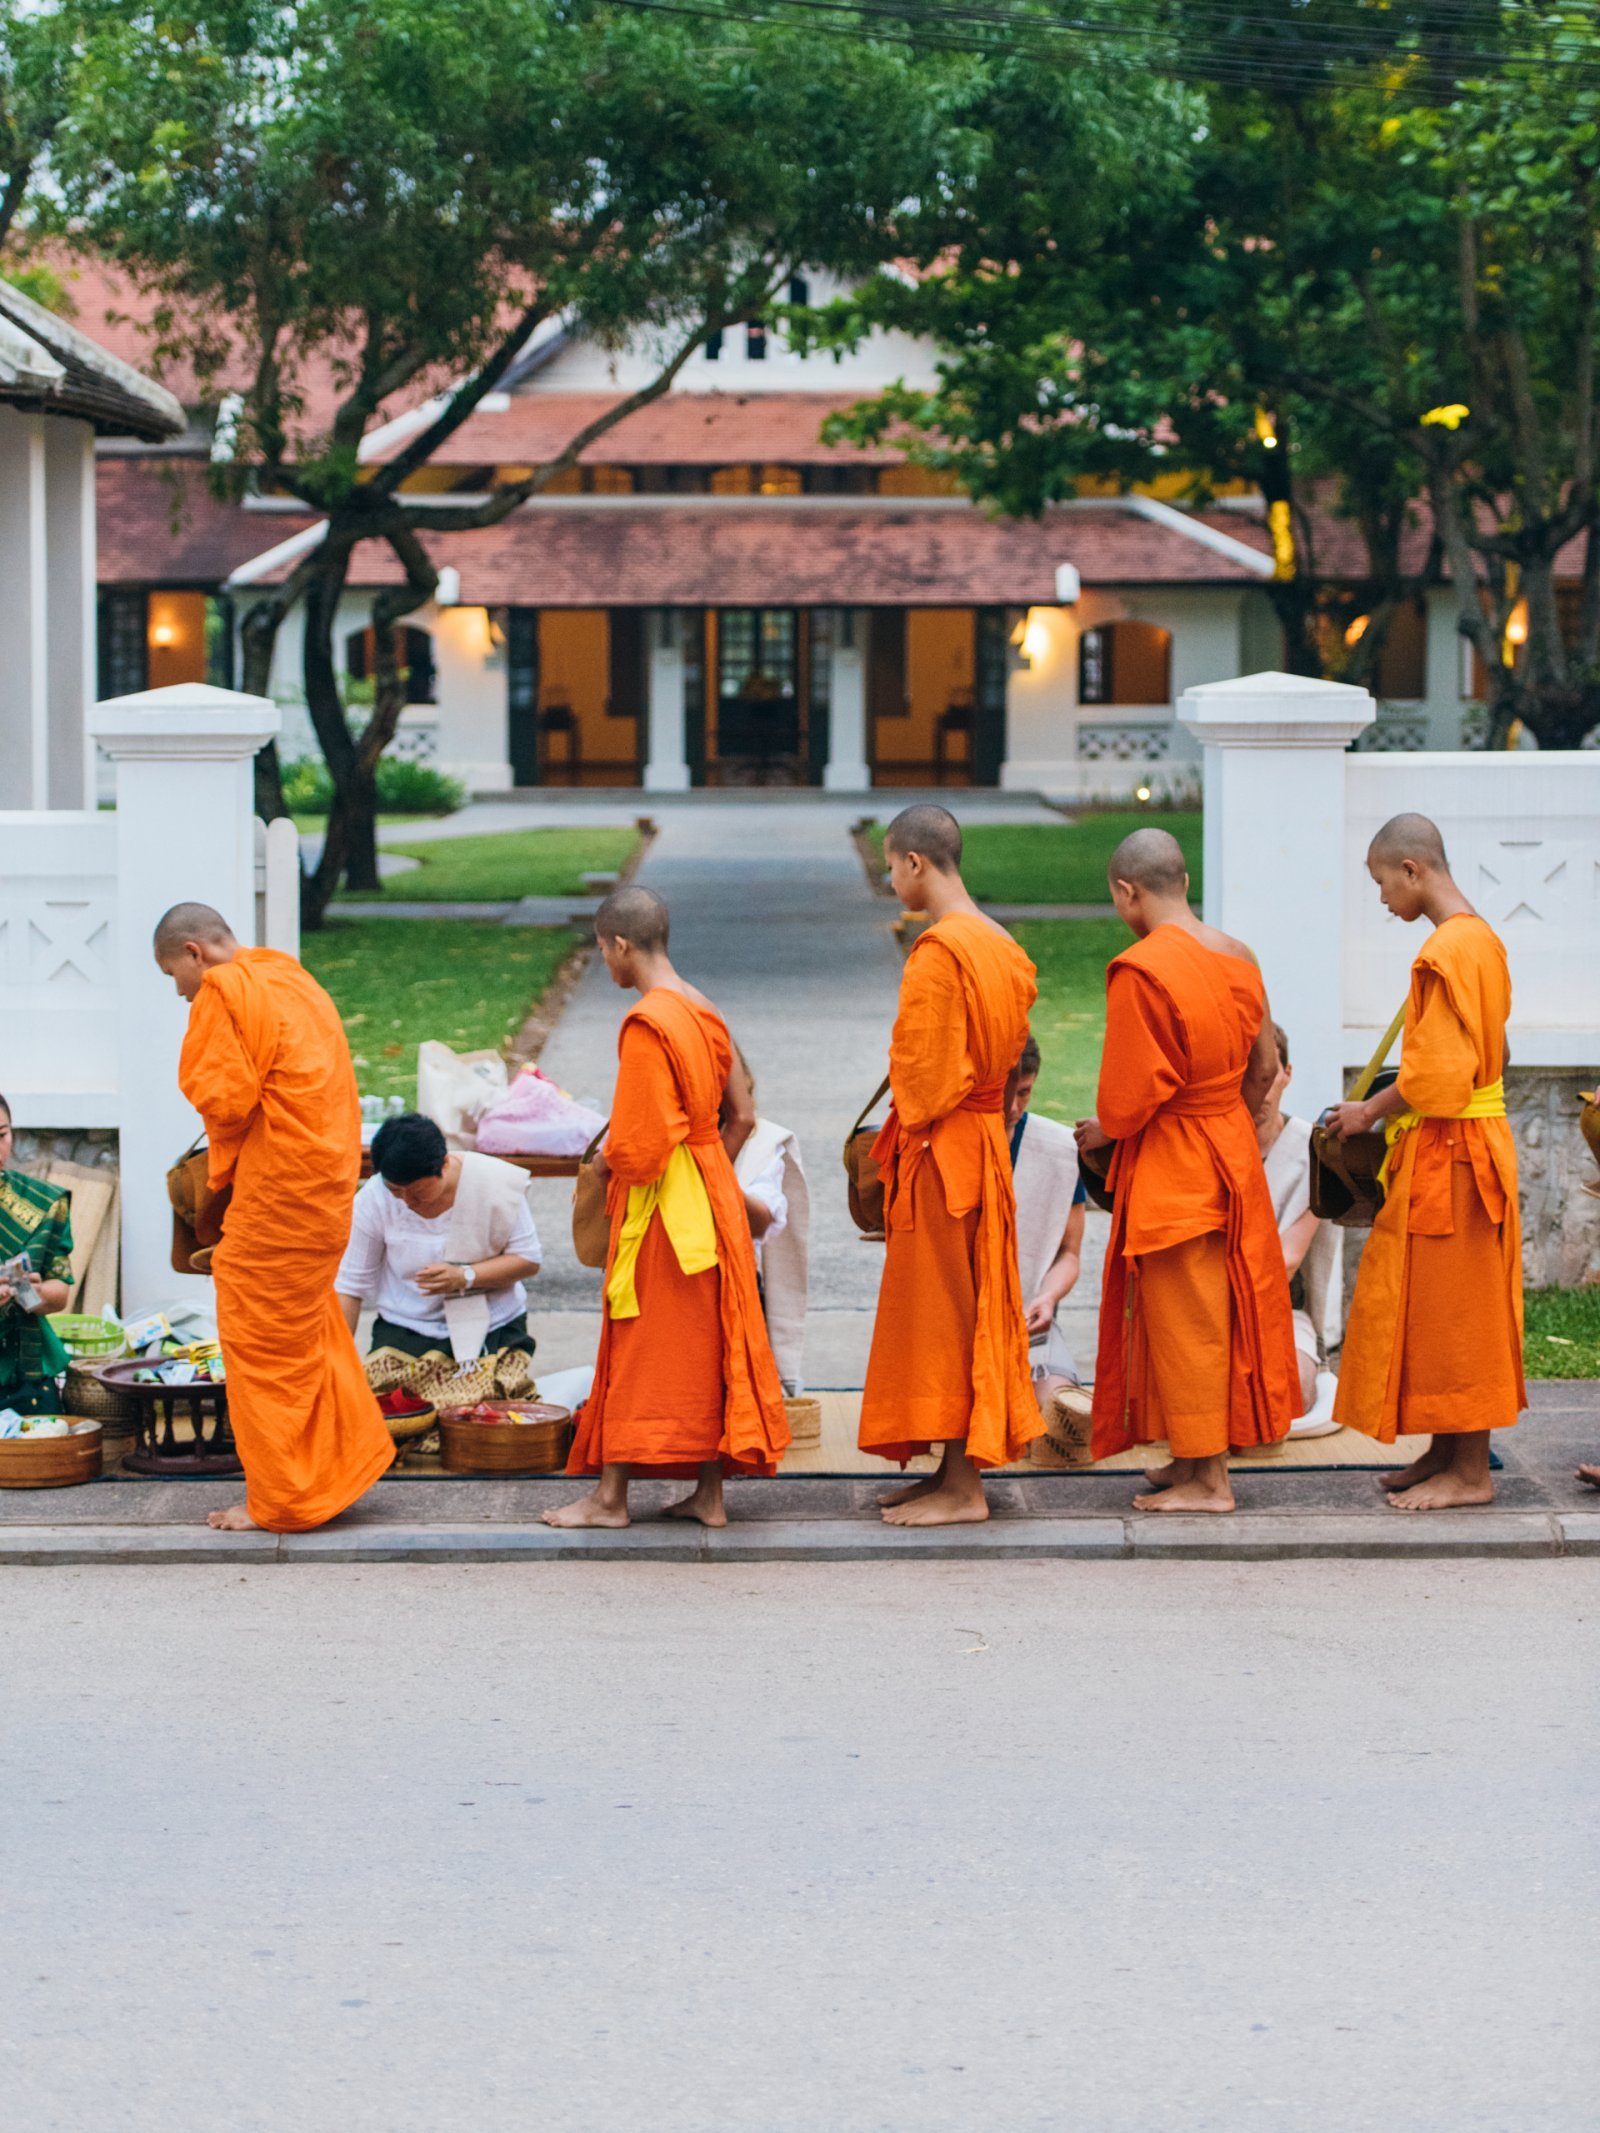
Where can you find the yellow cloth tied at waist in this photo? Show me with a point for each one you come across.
(680, 1194)
(1488, 1102)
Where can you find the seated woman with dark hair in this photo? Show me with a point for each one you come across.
(442, 1244)
(35, 1218)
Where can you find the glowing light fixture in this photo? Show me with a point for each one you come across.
(163, 634)
(1517, 624)
(1035, 637)
(1142, 792)
(1357, 629)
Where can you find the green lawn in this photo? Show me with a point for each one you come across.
(1069, 1018)
(499, 869)
(1062, 862)
(467, 982)
(1561, 1333)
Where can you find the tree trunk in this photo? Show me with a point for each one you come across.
(326, 709)
(258, 637)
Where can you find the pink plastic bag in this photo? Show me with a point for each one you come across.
(535, 1117)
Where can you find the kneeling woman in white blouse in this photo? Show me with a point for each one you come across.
(441, 1243)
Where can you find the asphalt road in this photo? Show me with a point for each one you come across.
(645, 1849)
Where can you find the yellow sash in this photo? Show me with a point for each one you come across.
(1482, 1103)
(680, 1193)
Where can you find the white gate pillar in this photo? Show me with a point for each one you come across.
(185, 834)
(24, 613)
(1274, 849)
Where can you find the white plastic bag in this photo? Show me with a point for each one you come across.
(535, 1116)
(453, 1088)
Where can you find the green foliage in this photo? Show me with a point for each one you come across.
(1069, 1016)
(1561, 1333)
(396, 982)
(1061, 863)
(499, 869)
(404, 788)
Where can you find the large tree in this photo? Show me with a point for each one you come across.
(1362, 273)
(404, 191)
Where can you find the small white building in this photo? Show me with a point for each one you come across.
(59, 392)
(715, 596)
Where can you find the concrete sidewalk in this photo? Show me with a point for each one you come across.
(1298, 1513)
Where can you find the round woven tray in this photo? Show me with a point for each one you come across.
(539, 1447)
(51, 1462)
(87, 1393)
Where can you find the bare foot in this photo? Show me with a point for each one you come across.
(236, 1519)
(951, 1504)
(705, 1504)
(1433, 1461)
(1189, 1496)
(590, 1510)
(1170, 1476)
(1444, 1492)
(910, 1492)
(1590, 1476)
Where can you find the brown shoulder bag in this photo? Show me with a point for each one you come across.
(865, 1179)
(197, 1211)
(591, 1225)
(1344, 1173)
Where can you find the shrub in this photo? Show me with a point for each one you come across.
(404, 788)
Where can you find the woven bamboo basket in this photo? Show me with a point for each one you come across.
(88, 1394)
(51, 1462)
(405, 1429)
(805, 1419)
(538, 1447)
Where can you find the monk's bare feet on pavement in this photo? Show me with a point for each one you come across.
(595, 1509)
(1589, 1476)
(1205, 1487)
(1170, 1476)
(235, 1519)
(1433, 1461)
(911, 1491)
(1449, 1491)
(956, 1498)
(706, 1503)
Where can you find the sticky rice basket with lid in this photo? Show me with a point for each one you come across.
(483, 1439)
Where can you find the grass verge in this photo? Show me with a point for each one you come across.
(498, 869)
(1069, 1017)
(1561, 1333)
(1061, 862)
(468, 982)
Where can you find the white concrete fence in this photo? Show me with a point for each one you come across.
(90, 1029)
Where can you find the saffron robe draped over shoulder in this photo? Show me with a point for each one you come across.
(266, 1065)
(950, 1343)
(1196, 1336)
(688, 1376)
(1434, 1344)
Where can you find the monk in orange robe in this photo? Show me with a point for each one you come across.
(1434, 1342)
(685, 1382)
(949, 1361)
(266, 1065)
(1196, 1331)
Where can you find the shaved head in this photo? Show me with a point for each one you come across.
(1411, 837)
(634, 915)
(190, 922)
(933, 833)
(1152, 860)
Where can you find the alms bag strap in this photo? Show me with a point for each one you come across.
(1374, 1066)
(862, 1116)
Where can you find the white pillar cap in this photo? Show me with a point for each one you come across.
(189, 722)
(1276, 711)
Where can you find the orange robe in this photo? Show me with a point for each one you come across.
(1434, 1344)
(692, 1378)
(1196, 1334)
(266, 1065)
(949, 1354)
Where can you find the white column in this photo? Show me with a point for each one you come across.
(185, 834)
(24, 628)
(667, 767)
(846, 769)
(1274, 849)
(70, 603)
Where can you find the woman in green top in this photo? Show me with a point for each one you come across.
(34, 1218)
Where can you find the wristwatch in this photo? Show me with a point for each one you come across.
(470, 1275)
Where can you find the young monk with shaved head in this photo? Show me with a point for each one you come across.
(266, 1065)
(685, 1383)
(949, 1362)
(1434, 1343)
(1196, 1333)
